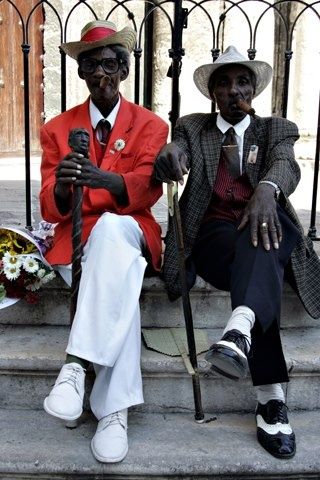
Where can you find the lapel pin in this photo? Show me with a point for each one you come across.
(253, 153)
(119, 144)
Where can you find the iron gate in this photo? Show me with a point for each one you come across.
(179, 16)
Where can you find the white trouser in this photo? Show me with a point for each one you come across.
(106, 326)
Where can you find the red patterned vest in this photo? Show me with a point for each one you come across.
(230, 195)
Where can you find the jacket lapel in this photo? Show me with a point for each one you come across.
(211, 140)
(251, 138)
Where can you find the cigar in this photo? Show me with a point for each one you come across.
(245, 107)
(104, 81)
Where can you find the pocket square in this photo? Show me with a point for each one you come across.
(253, 153)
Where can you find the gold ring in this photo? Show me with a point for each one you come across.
(264, 225)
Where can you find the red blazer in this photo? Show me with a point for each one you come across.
(144, 133)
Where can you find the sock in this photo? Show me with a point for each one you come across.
(73, 359)
(273, 391)
(242, 319)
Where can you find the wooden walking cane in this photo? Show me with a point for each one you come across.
(79, 143)
(174, 212)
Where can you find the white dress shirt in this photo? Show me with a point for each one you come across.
(96, 116)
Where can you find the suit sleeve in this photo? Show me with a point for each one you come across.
(50, 159)
(180, 138)
(142, 192)
(281, 166)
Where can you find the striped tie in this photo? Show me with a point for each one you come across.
(231, 153)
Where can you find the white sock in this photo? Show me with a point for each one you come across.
(242, 319)
(273, 391)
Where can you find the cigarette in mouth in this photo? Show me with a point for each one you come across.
(245, 107)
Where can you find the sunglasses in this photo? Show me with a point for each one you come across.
(109, 65)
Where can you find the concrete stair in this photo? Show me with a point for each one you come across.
(162, 446)
(165, 441)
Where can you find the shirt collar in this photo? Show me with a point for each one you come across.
(96, 115)
(239, 128)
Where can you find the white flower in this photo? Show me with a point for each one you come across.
(12, 272)
(11, 260)
(119, 144)
(30, 265)
(41, 273)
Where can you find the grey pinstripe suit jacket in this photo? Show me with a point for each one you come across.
(199, 137)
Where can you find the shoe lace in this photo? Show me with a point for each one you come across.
(278, 411)
(114, 419)
(240, 339)
(72, 376)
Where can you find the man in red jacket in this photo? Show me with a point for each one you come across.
(119, 233)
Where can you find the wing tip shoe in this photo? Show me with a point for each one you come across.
(228, 357)
(65, 401)
(274, 431)
(110, 442)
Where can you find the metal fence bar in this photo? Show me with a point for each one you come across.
(176, 53)
(26, 50)
(312, 229)
(148, 55)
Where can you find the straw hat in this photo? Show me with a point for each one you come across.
(100, 33)
(231, 56)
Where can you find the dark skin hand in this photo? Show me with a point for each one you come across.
(75, 169)
(229, 84)
(260, 210)
(171, 164)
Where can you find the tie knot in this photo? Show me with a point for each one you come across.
(230, 137)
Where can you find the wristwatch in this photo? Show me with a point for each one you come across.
(277, 190)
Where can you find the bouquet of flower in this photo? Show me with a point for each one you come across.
(23, 269)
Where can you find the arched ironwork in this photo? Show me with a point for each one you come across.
(179, 15)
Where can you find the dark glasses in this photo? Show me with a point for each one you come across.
(109, 65)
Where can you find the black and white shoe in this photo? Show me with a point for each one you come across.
(228, 357)
(273, 429)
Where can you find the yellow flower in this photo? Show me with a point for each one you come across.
(14, 243)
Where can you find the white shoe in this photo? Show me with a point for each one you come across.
(110, 443)
(65, 400)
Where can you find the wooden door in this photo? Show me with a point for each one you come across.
(11, 74)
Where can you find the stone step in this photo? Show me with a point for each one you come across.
(170, 446)
(211, 307)
(31, 356)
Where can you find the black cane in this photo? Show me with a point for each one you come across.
(174, 212)
(79, 143)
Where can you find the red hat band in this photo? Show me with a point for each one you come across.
(97, 33)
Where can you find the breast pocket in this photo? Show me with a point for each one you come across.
(124, 163)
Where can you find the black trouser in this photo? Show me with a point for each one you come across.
(226, 258)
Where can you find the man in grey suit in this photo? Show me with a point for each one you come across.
(241, 233)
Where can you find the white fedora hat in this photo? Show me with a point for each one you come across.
(100, 33)
(231, 56)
